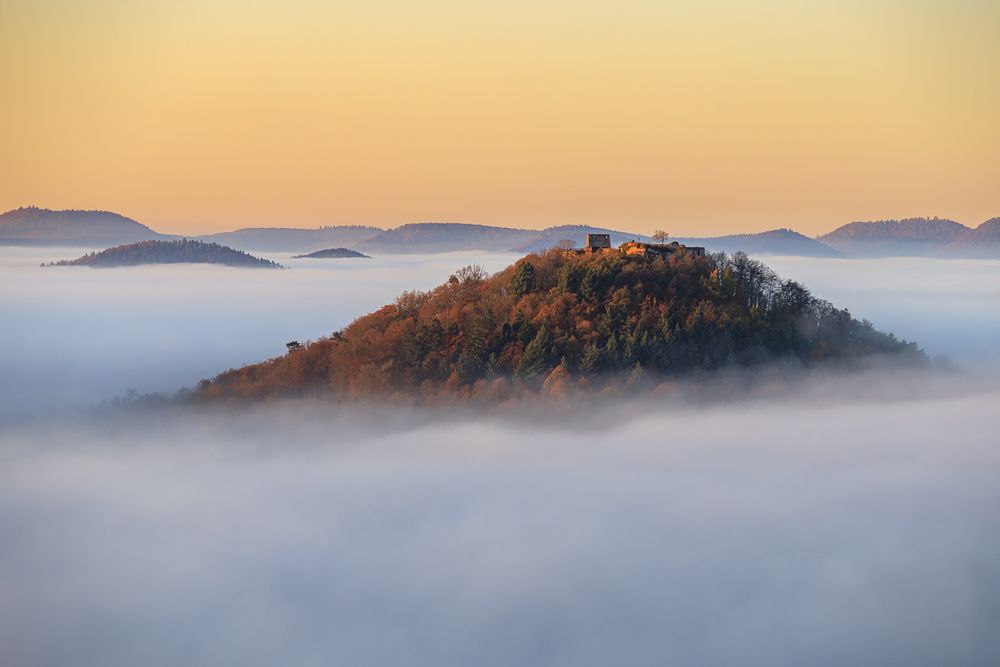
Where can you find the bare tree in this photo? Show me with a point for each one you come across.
(660, 236)
(474, 273)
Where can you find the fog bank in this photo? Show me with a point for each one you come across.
(831, 528)
(72, 336)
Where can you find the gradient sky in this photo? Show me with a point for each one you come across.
(696, 117)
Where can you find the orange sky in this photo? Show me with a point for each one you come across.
(704, 117)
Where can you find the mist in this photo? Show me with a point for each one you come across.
(77, 336)
(821, 529)
(844, 518)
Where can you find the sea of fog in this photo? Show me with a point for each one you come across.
(72, 336)
(854, 520)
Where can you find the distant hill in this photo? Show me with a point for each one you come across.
(42, 226)
(774, 242)
(287, 239)
(921, 237)
(439, 237)
(425, 237)
(168, 252)
(915, 237)
(561, 324)
(332, 253)
(982, 242)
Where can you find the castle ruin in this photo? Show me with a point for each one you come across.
(601, 244)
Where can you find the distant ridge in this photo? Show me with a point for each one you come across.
(913, 237)
(918, 237)
(291, 239)
(423, 237)
(183, 251)
(774, 242)
(981, 242)
(47, 227)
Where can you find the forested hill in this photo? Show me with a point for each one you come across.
(72, 227)
(560, 322)
(884, 238)
(333, 253)
(168, 252)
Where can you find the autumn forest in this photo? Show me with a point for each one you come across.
(558, 322)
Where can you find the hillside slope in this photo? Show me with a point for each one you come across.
(168, 252)
(561, 322)
(983, 242)
(72, 227)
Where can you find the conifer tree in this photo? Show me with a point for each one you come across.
(523, 280)
(535, 359)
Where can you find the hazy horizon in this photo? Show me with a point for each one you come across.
(616, 224)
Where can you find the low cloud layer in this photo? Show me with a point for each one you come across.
(822, 529)
(75, 336)
(841, 519)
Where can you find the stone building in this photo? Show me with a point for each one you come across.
(658, 249)
(598, 243)
(601, 244)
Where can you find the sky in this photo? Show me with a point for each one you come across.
(703, 117)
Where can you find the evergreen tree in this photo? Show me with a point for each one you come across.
(535, 359)
(523, 280)
(590, 360)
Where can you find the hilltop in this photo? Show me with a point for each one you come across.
(332, 253)
(563, 322)
(168, 252)
(72, 227)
